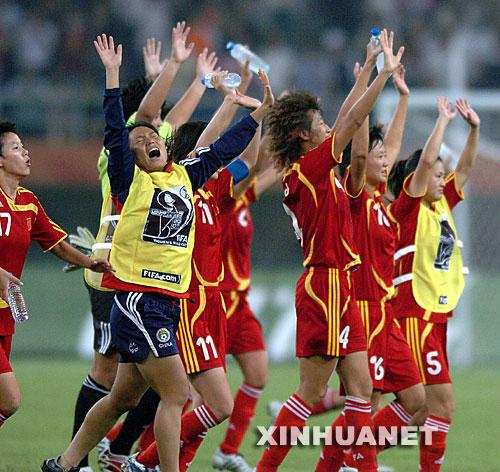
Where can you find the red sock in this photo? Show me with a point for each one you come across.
(188, 452)
(193, 423)
(293, 413)
(112, 434)
(393, 414)
(146, 438)
(149, 457)
(331, 458)
(3, 417)
(245, 402)
(432, 455)
(330, 401)
(358, 415)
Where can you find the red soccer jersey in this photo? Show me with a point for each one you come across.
(21, 221)
(207, 268)
(319, 209)
(237, 236)
(376, 241)
(404, 213)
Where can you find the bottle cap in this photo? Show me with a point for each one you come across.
(375, 32)
(230, 45)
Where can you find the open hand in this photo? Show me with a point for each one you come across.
(391, 61)
(151, 54)
(445, 108)
(468, 114)
(181, 52)
(106, 50)
(206, 63)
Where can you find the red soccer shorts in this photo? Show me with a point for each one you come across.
(328, 318)
(401, 369)
(5, 347)
(201, 335)
(244, 332)
(427, 342)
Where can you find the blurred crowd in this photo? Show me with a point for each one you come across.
(310, 45)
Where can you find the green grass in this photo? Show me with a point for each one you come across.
(42, 426)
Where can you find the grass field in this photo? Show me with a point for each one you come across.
(42, 426)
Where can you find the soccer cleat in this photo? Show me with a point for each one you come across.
(381, 468)
(131, 464)
(346, 468)
(233, 462)
(273, 409)
(51, 465)
(109, 462)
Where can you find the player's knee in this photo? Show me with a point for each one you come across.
(362, 388)
(10, 405)
(223, 409)
(259, 381)
(413, 401)
(121, 403)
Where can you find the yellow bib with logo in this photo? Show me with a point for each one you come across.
(154, 238)
(438, 280)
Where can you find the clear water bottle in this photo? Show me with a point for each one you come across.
(17, 303)
(231, 80)
(241, 54)
(375, 40)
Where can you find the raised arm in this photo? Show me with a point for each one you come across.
(157, 94)
(116, 140)
(430, 153)
(231, 144)
(225, 113)
(356, 115)
(394, 135)
(184, 108)
(111, 60)
(468, 156)
(359, 151)
(362, 76)
(152, 63)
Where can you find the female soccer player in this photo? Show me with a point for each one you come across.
(22, 218)
(328, 319)
(152, 247)
(392, 366)
(428, 273)
(202, 330)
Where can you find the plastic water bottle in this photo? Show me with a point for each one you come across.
(241, 54)
(231, 80)
(17, 303)
(375, 40)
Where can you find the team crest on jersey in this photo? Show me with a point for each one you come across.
(446, 245)
(28, 223)
(170, 217)
(163, 335)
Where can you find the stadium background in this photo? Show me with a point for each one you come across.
(51, 85)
